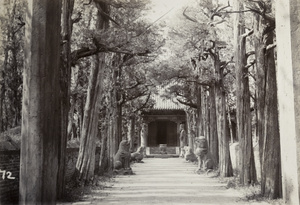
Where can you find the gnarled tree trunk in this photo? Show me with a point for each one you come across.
(268, 128)
(213, 139)
(247, 172)
(225, 166)
(65, 83)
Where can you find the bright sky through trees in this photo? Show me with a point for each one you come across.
(161, 7)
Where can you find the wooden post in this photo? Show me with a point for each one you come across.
(41, 103)
(288, 79)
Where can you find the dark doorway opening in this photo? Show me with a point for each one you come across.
(162, 132)
(161, 136)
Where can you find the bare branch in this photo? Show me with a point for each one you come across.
(85, 4)
(225, 74)
(21, 24)
(145, 103)
(250, 74)
(189, 18)
(217, 11)
(224, 64)
(137, 96)
(78, 18)
(250, 53)
(105, 15)
(135, 85)
(250, 64)
(250, 32)
(192, 105)
(101, 48)
(265, 16)
(271, 46)
(199, 83)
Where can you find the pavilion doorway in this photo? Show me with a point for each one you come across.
(162, 132)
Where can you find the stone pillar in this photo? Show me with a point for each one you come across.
(178, 132)
(41, 103)
(144, 135)
(288, 78)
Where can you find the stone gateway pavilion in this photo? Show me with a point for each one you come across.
(161, 127)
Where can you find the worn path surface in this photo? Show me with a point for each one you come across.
(165, 181)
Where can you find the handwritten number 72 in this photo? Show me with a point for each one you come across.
(6, 174)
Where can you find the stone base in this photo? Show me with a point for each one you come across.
(157, 152)
(123, 171)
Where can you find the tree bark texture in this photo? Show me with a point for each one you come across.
(267, 107)
(65, 83)
(200, 131)
(116, 104)
(103, 161)
(131, 133)
(213, 139)
(204, 112)
(41, 104)
(207, 115)
(225, 166)
(85, 165)
(247, 172)
(190, 130)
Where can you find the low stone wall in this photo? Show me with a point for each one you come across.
(9, 176)
(10, 163)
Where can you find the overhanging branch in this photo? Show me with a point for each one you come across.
(85, 52)
(192, 105)
(145, 103)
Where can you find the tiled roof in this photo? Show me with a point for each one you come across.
(162, 103)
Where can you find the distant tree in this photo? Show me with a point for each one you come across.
(211, 49)
(12, 33)
(122, 40)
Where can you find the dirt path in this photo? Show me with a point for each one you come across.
(167, 182)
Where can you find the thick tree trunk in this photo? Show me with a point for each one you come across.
(213, 139)
(85, 165)
(199, 119)
(204, 112)
(41, 104)
(207, 115)
(225, 166)
(131, 136)
(109, 141)
(190, 131)
(103, 161)
(268, 130)
(65, 83)
(1, 101)
(247, 171)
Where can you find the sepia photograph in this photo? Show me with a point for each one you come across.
(142, 102)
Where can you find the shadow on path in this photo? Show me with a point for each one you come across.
(165, 181)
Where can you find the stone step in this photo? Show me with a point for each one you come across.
(158, 151)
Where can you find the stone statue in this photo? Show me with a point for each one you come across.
(183, 140)
(122, 159)
(189, 154)
(205, 163)
(138, 155)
